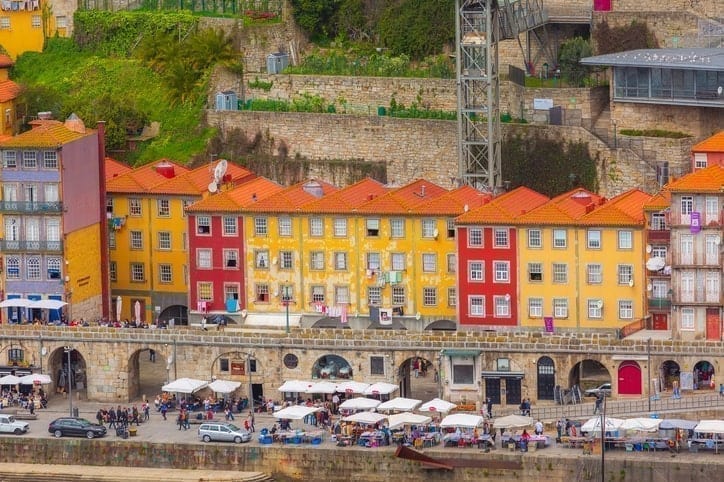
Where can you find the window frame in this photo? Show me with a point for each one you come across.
(429, 296)
(229, 226)
(476, 271)
(476, 306)
(623, 243)
(284, 226)
(163, 208)
(535, 307)
(229, 255)
(475, 238)
(202, 254)
(594, 239)
(165, 273)
(163, 239)
(501, 238)
(135, 269)
(429, 262)
(501, 270)
(340, 227)
(531, 272)
(560, 242)
(203, 225)
(625, 309)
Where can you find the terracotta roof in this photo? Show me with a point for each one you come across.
(504, 208)
(709, 179)
(6, 61)
(404, 199)
(632, 203)
(197, 181)
(141, 179)
(551, 213)
(714, 143)
(9, 90)
(291, 199)
(240, 197)
(346, 200)
(454, 203)
(578, 201)
(661, 200)
(46, 133)
(115, 168)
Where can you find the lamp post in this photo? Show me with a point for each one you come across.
(251, 391)
(603, 440)
(67, 351)
(286, 299)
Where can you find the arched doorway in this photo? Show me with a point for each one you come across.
(332, 367)
(63, 360)
(148, 371)
(703, 376)
(669, 373)
(629, 378)
(239, 366)
(442, 325)
(179, 314)
(587, 374)
(418, 379)
(546, 378)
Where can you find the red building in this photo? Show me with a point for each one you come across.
(708, 152)
(487, 259)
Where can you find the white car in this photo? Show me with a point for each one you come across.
(8, 424)
(604, 388)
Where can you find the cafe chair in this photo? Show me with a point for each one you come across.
(629, 447)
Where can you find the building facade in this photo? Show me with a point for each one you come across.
(708, 152)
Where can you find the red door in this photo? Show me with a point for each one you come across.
(713, 324)
(629, 378)
(661, 321)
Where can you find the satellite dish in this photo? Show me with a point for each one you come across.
(648, 248)
(220, 170)
(244, 313)
(649, 287)
(213, 187)
(655, 264)
(720, 90)
(435, 233)
(599, 304)
(631, 283)
(418, 315)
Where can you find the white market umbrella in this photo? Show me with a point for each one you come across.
(641, 424)
(359, 403)
(710, 426)
(224, 386)
(380, 388)
(294, 386)
(677, 423)
(513, 421)
(437, 405)
(184, 385)
(9, 380)
(462, 420)
(350, 386)
(368, 418)
(295, 412)
(119, 307)
(48, 304)
(594, 424)
(321, 387)
(35, 379)
(16, 303)
(400, 404)
(398, 420)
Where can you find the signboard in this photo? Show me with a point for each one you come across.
(686, 380)
(385, 316)
(548, 320)
(695, 226)
(238, 368)
(542, 104)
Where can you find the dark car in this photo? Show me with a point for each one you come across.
(76, 427)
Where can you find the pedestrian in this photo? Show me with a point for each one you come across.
(180, 419)
(164, 409)
(111, 418)
(251, 421)
(152, 355)
(203, 323)
(599, 402)
(187, 424)
(489, 406)
(135, 416)
(559, 430)
(99, 416)
(146, 411)
(538, 428)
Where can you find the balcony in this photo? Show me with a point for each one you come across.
(30, 207)
(31, 246)
(659, 304)
(659, 236)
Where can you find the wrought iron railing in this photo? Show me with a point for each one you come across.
(30, 207)
(29, 246)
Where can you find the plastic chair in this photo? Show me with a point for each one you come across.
(629, 447)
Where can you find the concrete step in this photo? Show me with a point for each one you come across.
(79, 473)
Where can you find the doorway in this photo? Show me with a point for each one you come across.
(629, 378)
(713, 324)
(492, 389)
(512, 391)
(546, 378)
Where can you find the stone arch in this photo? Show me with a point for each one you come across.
(629, 378)
(149, 368)
(545, 378)
(588, 373)
(703, 374)
(58, 370)
(442, 325)
(179, 313)
(424, 386)
(331, 367)
(669, 372)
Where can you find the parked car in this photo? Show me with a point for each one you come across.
(8, 424)
(76, 427)
(223, 432)
(604, 388)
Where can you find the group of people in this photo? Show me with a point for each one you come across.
(123, 417)
(26, 400)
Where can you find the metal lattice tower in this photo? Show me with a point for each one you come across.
(479, 26)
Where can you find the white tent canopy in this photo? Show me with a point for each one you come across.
(437, 405)
(400, 404)
(295, 412)
(710, 426)
(184, 385)
(368, 418)
(641, 424)
(9, 380)
(48, 304)
(463, 420)
(407, 418)
(359, 403)
(16, 303)
(35, 378)
(677, 423)
(321, 387)
(512, 421)
(380, 388)
(224, 386)
(298, 386)
(594, 424)
(350, 386)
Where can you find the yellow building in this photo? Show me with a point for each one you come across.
(9, 91)
(25, 24)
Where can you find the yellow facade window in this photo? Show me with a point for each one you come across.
(35, 21)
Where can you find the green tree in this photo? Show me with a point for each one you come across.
(417, 28)
(571, 52)
(315, 16)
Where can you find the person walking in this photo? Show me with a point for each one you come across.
(489, 406)
(146, 411)
(111, 418)
(599, 403)
(180, 419)
(164, 409)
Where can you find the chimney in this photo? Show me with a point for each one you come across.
(165, 169)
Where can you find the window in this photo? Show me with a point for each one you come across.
(451, 229)
(625, 274)
(261, 259)
(559, 238)
(594, 238)
(230, 225)
(203, 225)
(113, 271)
(502, 271)
(712, 286)
(625, 309)
(711, 210)
(700, 160)
(61, 21)
(373, 261)
(10, 159)
(452, 263)
(262, 293)
(50, 192)
(15, 355)
(12, 264)
(502, 306)
(428, 228)
(374, 296)
(286, 260)
(185, 203)
(452, 297)
(30, 160)
(377, 365)
(429, 262)
(711, 249)
(340, 227)
(341, 295)
(687, 206)
(231, 258)
(475, 237)
(285, 226)
(32, 267)
(203, 259)
(164, 240)
(477, 306)
(625, 239)
(373, 227)
(687, 286)
(231, 291)
(36, 21)
(53, 268)
(50, 160)
(340, 260)
(560, 273)
(658, 221)
(261, 227)
(111, 239)
(429, 296)
(658, 251)
(398, 295)
(687, 319)
(397, 228)
(205, 291)
(316, 260)
(316, 227)
(594, 274)
(134, 207)
(163, 207)
(136, 240)
(4, 22)
(535, 271)
(686, 249)
(560, 308)
(397, 261)
(475, 270)
(463, 370)
(595, 309)
(138, 272)
(165, 275)
(535, 307)
(659, 289)
(501, 238)
(318, 295)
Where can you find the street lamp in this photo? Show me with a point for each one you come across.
(67, 351)
(251, 391)
(286, 300)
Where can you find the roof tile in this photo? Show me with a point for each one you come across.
(348, 199)
(9, 90)
(45, 133)
(504, 208)
(714, 143)
(141, 179)
(709, 179)
(404, 199)
(242, 196)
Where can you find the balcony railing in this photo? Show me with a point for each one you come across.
(30, 207)
(32, 246)
(656, 236)
(659, 304)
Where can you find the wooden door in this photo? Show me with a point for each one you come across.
(661, 321)
(713, 324)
